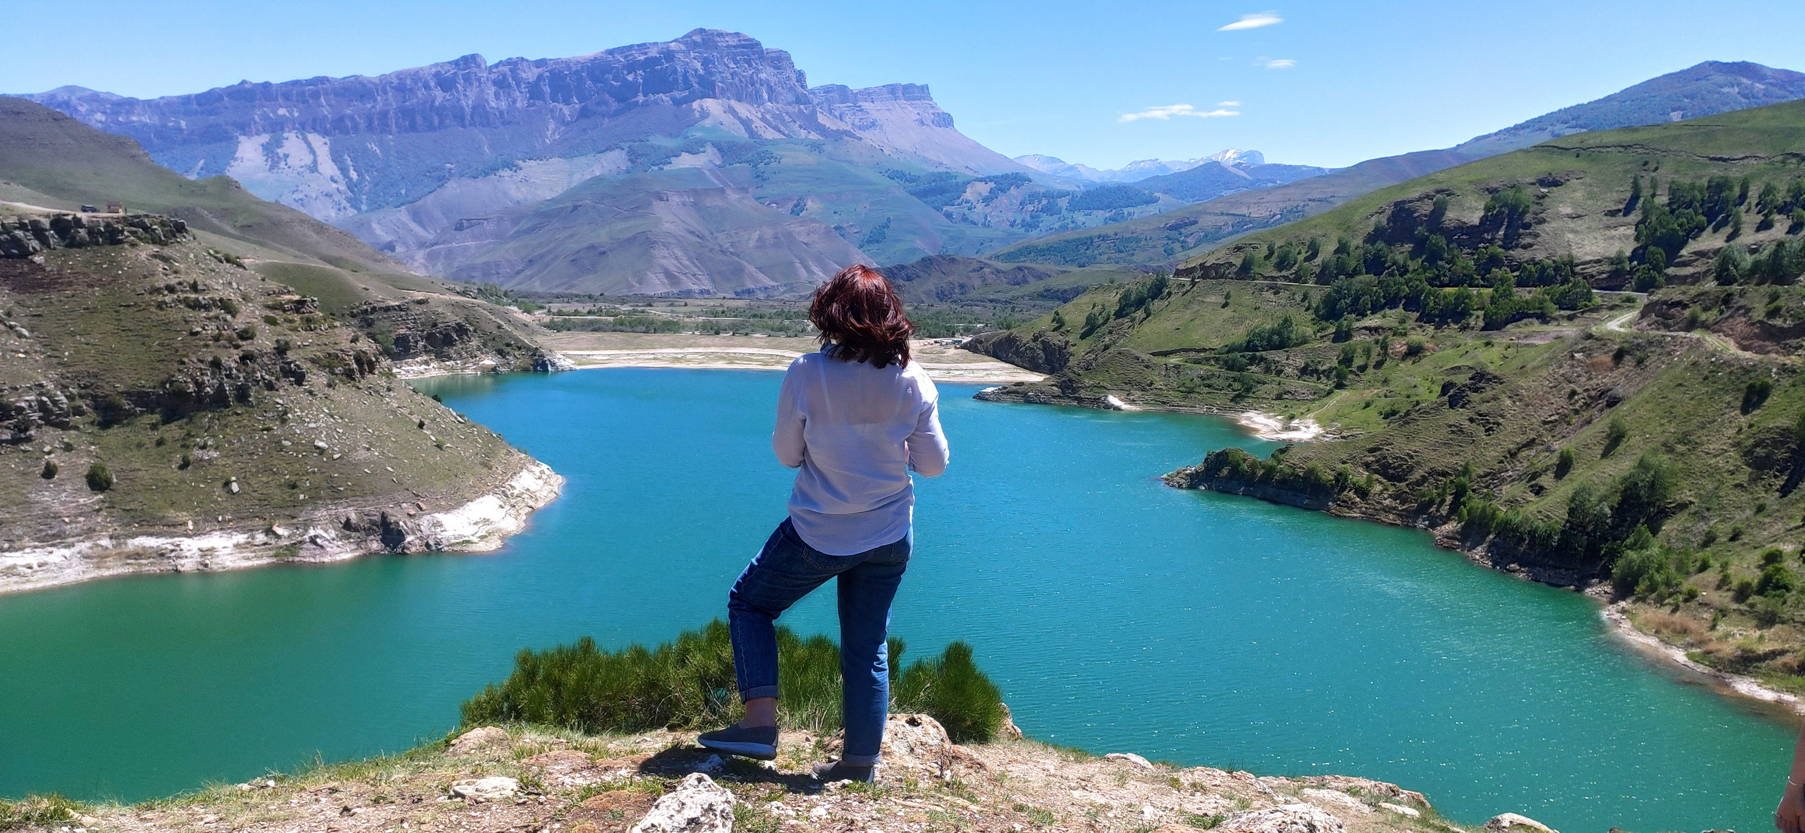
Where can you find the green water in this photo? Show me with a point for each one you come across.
(1116, 614)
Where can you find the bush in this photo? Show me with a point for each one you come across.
(1776, 580)
(50, 470)
(954, 692)
(1563, 464)
(689, 684)
(1614, 435)
(100, 478)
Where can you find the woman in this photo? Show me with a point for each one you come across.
(854, 417)
(1789, 817)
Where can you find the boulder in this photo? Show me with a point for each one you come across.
(1519, 824)
(478, 739)
(1129, 758)
(697, 805)
(1008, 731)
(1288, 818)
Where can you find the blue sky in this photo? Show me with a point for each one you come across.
(1326, 83)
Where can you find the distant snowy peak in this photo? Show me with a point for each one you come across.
(1141, 168)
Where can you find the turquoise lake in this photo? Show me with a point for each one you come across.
(1116, 614)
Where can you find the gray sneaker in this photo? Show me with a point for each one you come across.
(757, 742)
(842, 771)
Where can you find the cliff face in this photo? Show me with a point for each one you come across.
(340, 146)
(709, 155)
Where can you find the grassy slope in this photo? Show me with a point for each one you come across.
(49, 159)
(1533, 389)
(120, 323)
(1186, 232)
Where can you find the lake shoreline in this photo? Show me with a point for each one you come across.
(1276, 429)
(323, 535)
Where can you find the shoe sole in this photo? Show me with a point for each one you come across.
(744, 750)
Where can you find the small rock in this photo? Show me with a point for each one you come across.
(492, 788)
(697, 805)
(1009, 731)
(1520, 824)
(477, 739)
(232, 486)
(1288, 818)
(1130, 758)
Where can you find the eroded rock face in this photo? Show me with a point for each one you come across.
(26, 236)
(697, 805)
(1041, 353)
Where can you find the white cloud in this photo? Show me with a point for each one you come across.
(1166, 112)
(1280, 63)
(1252, 21)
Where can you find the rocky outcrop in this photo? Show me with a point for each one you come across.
(1041, 352)
(652, 782)
(332, 534)
(27, 236)
(697, 805)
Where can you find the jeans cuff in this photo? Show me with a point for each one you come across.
(861, 760)
(757, 691)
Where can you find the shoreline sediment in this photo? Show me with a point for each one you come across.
(481, 524)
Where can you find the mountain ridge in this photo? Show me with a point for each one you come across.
(1188, 232)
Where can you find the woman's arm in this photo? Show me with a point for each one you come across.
(786, 441)
(1790, 816)
(928, 452)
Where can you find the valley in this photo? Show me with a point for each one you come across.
(289, 322)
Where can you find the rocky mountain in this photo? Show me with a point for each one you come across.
(1576, 361)
(1705, 89)
(715, 164)
(1139, 169)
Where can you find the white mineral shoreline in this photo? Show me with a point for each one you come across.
(1278, 429)
(766, 358)
(1726, 683)
(479, 525)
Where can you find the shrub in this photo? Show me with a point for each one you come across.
(688, 683)
(1755, 394)
(1646, 572)
(954, 692)
(100, 478)
(1776, 580)
(1614, 435)
(50, 470)
(1563, 464)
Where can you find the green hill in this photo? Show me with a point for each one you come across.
(50, 160)
(1578, 361)
(1708, 88)
(187, 394)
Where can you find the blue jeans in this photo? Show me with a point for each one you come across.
(788, 569)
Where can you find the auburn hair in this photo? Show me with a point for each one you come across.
(860, 314)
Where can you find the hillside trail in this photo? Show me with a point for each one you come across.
(1714, 341)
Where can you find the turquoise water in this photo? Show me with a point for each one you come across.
(1116, 614)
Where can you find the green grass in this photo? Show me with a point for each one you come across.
(37, 811)
(689, 683)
